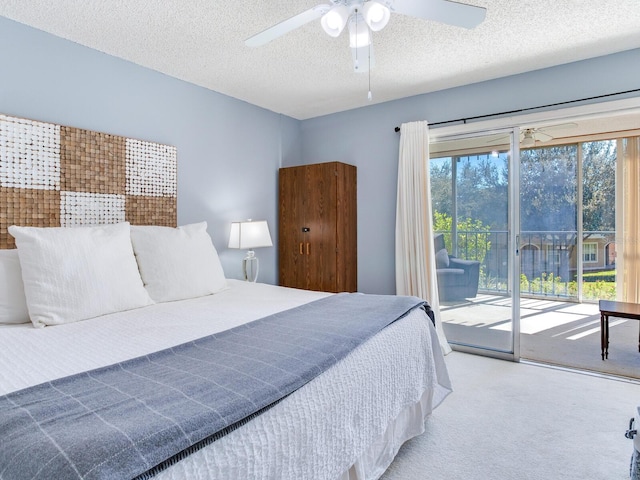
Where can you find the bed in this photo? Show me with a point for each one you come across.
(346, 423)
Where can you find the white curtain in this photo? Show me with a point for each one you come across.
(630, 227)
(415, 259)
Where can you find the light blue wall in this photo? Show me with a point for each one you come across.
(228, 151)
(365, 137)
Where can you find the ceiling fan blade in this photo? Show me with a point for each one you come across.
(500, 140)
(443, 11)
(288, 25)
(557, 127)
(541, 136)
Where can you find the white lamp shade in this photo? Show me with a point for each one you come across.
(376, 15)
(334, 21)
(248, 235)
(359, 34)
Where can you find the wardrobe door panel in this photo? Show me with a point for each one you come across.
(347, 229)
(291, 254)
(321, 219)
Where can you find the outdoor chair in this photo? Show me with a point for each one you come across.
(457, 278)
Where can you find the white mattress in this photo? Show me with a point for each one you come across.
(349, 421)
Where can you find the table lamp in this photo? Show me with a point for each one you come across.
(247, 236)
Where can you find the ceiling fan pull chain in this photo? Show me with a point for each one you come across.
(356, 65)
(369, 96)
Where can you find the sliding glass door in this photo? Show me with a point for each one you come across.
(474, 191)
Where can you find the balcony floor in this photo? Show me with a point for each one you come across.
(554, 332)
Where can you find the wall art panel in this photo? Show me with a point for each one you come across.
(52, 175)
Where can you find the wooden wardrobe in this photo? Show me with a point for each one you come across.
(317, 230)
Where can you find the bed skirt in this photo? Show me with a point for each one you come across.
(408, 424)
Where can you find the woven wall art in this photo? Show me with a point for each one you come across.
(52, 176)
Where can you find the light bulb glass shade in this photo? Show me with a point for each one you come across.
(334, 21)
(248, 235)
(376, 15)
(359, 34)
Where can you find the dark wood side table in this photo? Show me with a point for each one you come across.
(615, 309)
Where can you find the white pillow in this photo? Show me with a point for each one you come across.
(71, 274)
(13, 304)
(177, 263)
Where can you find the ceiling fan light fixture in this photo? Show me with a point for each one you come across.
(527, 139)
(334, 21)
(376, 15)
(359, 33)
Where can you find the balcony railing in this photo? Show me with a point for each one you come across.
(549, 261)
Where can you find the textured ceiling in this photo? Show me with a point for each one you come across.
(306, 73)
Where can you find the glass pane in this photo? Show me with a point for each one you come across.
(549, 221)
(599, 220)
(470, 201)
(483, 217)
(441, 199)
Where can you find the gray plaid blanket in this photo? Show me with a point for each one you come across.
(135, 417)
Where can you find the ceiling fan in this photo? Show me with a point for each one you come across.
(529, 136)
(366, 16)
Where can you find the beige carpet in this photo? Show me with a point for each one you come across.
(508, 420)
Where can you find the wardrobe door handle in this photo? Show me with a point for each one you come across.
(301, 253)
(307, 248)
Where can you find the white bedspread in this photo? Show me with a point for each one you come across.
(318, 432)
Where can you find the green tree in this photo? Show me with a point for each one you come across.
(599, 189)
(440, 180)
(481, 185)
(482, 189)
(548, 188)
(473, 236)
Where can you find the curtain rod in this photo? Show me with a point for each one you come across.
(489, 115)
